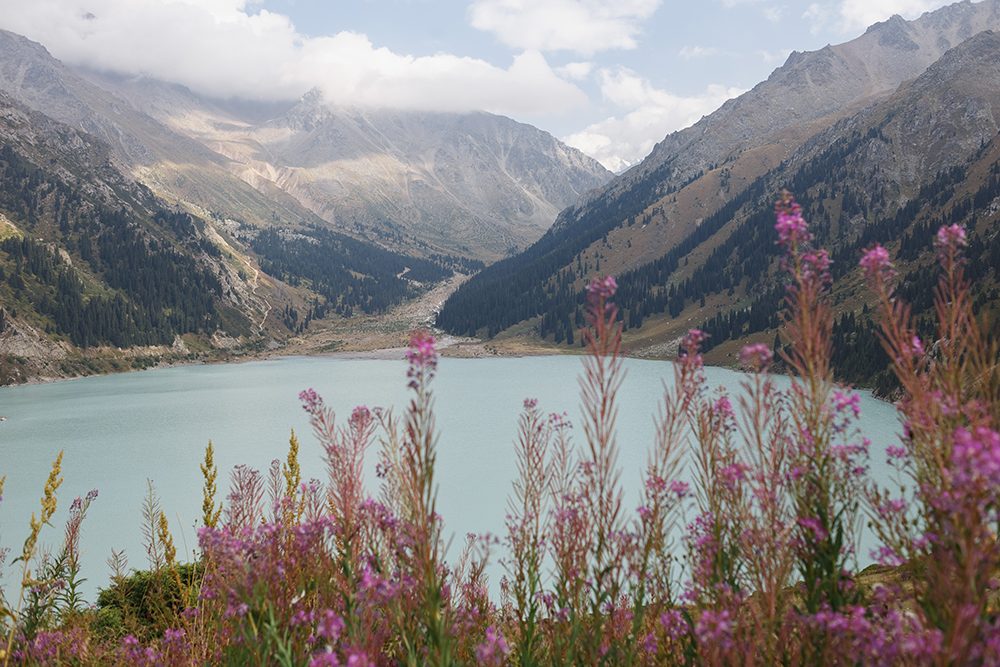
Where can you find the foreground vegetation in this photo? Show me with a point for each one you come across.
(752, 563)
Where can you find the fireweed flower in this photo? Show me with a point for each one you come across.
(975, 459)
(816, 266)
(361, 417)
(559, 421)
(674, 624)
(876, 264)
(949, 239)
(602, 288)
(715, 628)
(842, 401)
(680, 489)
(757, 356)
(895, 452)
(311, 401)
(690, 349)
(422, 356)
(812, 525)
(494, 650)
(791, 227)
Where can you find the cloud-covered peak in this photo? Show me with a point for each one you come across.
(220, 49)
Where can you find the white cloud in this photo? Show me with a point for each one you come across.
(774, 14)
(582, 26)
(779, 57)
(575, 71)
(219, 48)
(689, 52)
(618, 142)
(855, 14)
(818, 15)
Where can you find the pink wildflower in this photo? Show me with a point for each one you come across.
(887, 556)
(876, 264)
(975, 458)
(757, 356)
(330, 626)
(816, 265)
(715, 628)
(421, 355)
(792, 228)
(690, 349)
(812, 525)
(680, 489)
(844, 400)
(674, 624)
(602, 288)
(695, 337)
(311, 401)
(494, 650)
(895, 452)
(361, 417)
(950, 238)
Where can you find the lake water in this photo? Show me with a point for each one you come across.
(118, 431)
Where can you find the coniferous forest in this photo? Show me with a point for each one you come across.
(151, 290)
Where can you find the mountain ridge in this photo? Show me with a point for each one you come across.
(858, 178)
(378, 173)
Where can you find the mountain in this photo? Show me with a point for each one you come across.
(87, 257)
(473, 184)
(174, 166)
(139, 220)
(477, 185)
(702, 252)
(99, 274)
(757, 130)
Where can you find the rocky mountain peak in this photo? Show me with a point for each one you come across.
(808, 92)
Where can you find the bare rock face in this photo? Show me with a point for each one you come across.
(934, 122)
(21, 340)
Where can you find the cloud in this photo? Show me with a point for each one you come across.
(575, 71)
(849, 16)
(652, 114)
(774, 14)
(856, 14)
(779, 57)
(689, 52)
(219, 48)
(818, 15)
(581, 26)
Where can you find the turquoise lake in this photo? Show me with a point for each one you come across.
(118, 431)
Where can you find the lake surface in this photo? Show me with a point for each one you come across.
(118, 431)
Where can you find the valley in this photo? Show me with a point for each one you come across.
(155, 226)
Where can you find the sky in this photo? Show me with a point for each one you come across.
(610, 77)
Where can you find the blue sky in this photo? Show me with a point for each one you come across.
(608, 77)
